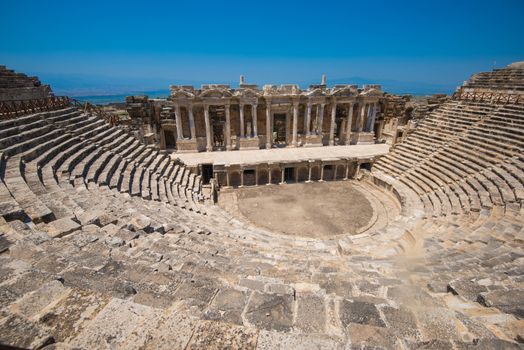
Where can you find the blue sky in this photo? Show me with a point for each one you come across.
(111, 46)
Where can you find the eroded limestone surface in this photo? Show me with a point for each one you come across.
(106, 243)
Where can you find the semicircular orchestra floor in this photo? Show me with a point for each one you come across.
(313, 210)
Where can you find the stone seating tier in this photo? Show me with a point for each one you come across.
(107, 243)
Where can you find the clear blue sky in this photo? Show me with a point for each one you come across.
(151, 44)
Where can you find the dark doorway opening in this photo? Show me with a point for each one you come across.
(279, 129)
(218, 137)
(170, 139)
(207, 173)
(366, 166)
(328, 172)
(249, 177)
(289, 174)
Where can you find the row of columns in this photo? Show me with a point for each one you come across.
(282, 174)
(371, 115)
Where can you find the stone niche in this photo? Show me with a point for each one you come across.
(249, 143)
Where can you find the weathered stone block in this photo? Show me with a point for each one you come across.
(270, 311)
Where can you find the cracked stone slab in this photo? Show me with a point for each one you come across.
(270, 311)
(227, 306)
(311, 313)
(362, 335)
(72, 313)
(62, 227)
(20, 332)
(283, 341)
(33, 303)
(121, 324)
(402, 322)
(360, 312)
(216, 335)
(173, 331)
(510, 301)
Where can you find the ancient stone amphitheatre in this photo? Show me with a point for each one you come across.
(311, 218)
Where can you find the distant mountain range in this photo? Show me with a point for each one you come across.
(103, 90)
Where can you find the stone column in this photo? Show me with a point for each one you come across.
(356, 171)
(269, 133)
(321, 173)
(256, 176)
(282, 175)
(374, 108)
(241, 110)
(191, 121)
(228, 127)
(268, 175)
(254, 116)
(178, 118)
(209, 146)
(332, 125)
(350, 121)
(295, 123)
(320, 119)
(361, 117)
(227, 178)
(162, 138)
(241, 177)
(309, 171)
(347, 170)
(307, 123)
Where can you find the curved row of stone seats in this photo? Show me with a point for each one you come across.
(116, 262)
(506, 79)
(132, 261)
(22, 143)
(141, 170)
(40, 150)
(472, 158)
(133, 272)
